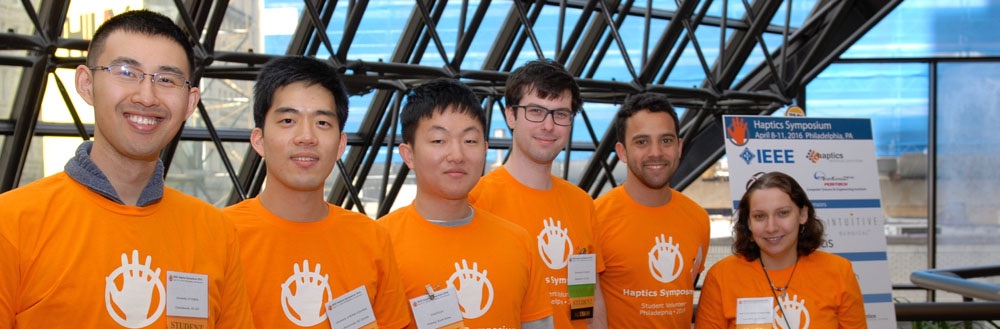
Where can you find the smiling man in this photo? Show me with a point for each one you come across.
(543, 99)
(653, 238)
(104, 244)
(300, 252)
(444, 243)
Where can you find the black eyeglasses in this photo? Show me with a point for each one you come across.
(125, 73)
(535, 113)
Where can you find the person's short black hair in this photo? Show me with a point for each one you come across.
(546, 79)
(283, 71)
(651, 102)
(143, 22)
(810, 234)
(438, 96)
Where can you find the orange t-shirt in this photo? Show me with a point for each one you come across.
(651, 255)
(487, 247)
(823, 289)
(560, 220)
(72, 258)
(330, 257)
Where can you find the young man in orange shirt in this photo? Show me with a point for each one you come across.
(300, 253)
(105, 244)
(543, 99)
(443, 242)
(653, 238)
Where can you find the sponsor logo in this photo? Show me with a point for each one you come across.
(736, 131)
(768, 156)
(815, 156)
(832, 180)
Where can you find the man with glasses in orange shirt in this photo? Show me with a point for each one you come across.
(543, 99)
(105, 244)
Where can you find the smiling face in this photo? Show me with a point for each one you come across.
(538, 142)
(447, 154)
(136, 120)
(774, 222)
(651, 149)
(301, 140)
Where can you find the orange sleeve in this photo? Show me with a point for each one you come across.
(851, 309)
(391, 309)
(235, 312)
(536, 298)
(593, 238)
(9, 277)
(476, 192)
(710, 312)
(10, 268)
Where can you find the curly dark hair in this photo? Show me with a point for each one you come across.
(651, 102)
(810, 234)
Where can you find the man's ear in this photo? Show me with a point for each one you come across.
(343, 145)
(508, 115)
(85, 83)
(406, 151)
(194, 95)
(257, 141)
(621, 152)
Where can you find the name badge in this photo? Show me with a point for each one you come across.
(754, 313)
(352, 310)
(187, 300)
(437, 310)
(582, 278)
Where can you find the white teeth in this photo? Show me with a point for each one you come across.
(303, 159)
(142, 120)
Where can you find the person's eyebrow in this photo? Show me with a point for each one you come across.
(134, 63)
(124, 60)
(326, 113)
(286, 110)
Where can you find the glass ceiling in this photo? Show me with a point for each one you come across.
(709, 57)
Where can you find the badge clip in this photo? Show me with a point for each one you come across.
(430, 291)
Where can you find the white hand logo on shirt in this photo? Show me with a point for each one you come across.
(794, 311)
(470, 289)
(304, 306)
(554, 245)
(136, 293)
(665, 261)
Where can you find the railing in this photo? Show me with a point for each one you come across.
(971, 311)
(955, 281)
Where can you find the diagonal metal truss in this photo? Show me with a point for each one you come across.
(586, 38)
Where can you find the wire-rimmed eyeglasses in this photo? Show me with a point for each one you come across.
(125, 73)
(535, 113)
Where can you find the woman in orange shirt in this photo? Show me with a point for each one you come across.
(777, 278)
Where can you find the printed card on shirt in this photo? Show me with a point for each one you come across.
(187, 300)
(438, 310)
(581, 282)
(754, 313)
(352, 310)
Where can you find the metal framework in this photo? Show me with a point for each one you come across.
(584, 40)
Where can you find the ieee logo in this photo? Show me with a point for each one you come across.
(746, 155)
(770, 156)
